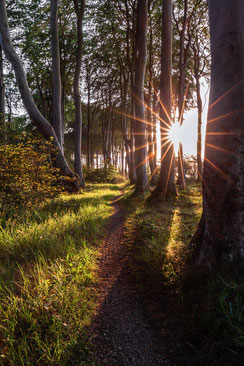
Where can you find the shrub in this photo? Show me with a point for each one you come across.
(26, 173)
(103, 175)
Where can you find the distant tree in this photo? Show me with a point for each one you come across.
(219, 236)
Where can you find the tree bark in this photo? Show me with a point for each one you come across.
(155, 148)
(181, 88)
(56, 77)
(37, 118)
(153, 178)
(221, 231)
(139, 123)
(88, 149)
(2, 99)
(79, 10)
(199, 130)
(166, 183)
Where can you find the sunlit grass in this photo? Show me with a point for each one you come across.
(190, 308)
(48, 256)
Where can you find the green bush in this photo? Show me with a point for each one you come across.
(103, 175)
(26, 173)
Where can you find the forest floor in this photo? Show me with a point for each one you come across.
(121, 331)
(151, 309)
(87, 282)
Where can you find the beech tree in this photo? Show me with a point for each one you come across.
(36, 117)
(56, 77)
(2, 97)
(139, 123)
(166, 183)
(220, 233)
(79, 10)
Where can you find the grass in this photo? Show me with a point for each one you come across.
(47, 262)
(205, 316)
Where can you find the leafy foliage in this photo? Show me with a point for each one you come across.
(26, 173)
(103, 175)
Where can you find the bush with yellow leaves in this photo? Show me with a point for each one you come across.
(26, 173)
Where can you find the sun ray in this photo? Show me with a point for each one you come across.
(163, 107)
(222, 149)
(225, 94)
(181, 168)
(170, 167)
(219, 170)
(184, 102)
(226, 115)
(224, 133)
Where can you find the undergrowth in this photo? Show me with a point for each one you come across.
(47, 261)
(202, 318)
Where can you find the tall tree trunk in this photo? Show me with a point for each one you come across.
(2, 99)
(56, 77)
(221, 230)
(88, 150)
(37, 118)
(199, 130)
(139, 123)
(166, 183)
(181, 89)
(123, 160)
(79, 10)
(149, 114)
(155, 148)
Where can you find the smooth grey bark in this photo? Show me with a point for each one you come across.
(36, 117)
(220, 234)
(155, 148)
(56, 76)
(79, 10)
(166, 183)
(130, 57)
(153, 178)
(88, 148)
(184, 53)
(139, 123)
(199, 128)
(2, 98)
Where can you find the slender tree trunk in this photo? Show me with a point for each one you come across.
(181, 90)
(56, 77)
(88, 126)
(2, 99)
(79, 10)
(166, 183)
(149, 114)
(41, 123)
(221, 231)
(155, 148)
(122, 160)
(139, 123)
(199, 131)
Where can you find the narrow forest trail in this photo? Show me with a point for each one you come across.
(120, 331)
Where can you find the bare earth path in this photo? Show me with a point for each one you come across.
(120, 331)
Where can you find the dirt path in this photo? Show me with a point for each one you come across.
(120, 331)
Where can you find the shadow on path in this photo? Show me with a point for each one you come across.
(120, 331)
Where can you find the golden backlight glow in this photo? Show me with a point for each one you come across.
(175, 135)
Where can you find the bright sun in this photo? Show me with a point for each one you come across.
(175, 135)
